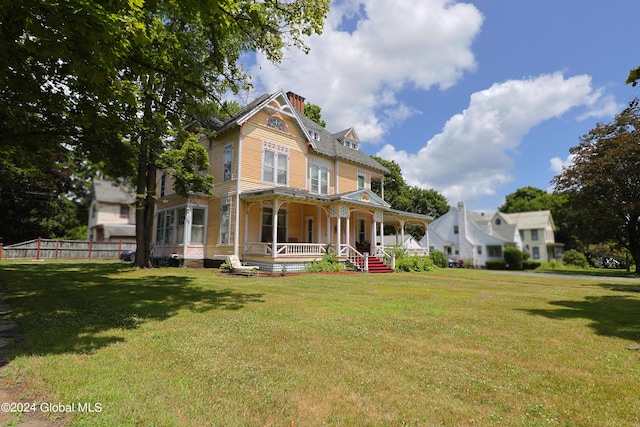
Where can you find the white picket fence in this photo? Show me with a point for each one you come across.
(42, 249)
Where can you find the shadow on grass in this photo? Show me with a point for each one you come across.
(610, 315)
(65, 308)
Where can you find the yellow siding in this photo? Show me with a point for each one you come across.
(255, 132)
(216, 155)
(347, 177)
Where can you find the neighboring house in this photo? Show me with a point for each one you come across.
(537, 233)
(286, 191)
(477, 238)
(111, 212)
(410, 244)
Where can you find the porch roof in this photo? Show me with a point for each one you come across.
(361, 198)
(408, 215)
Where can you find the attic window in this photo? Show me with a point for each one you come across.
(314, 134)
(276, 123)
(350, 144)
(498, 222)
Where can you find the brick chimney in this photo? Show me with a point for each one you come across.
(296, 101)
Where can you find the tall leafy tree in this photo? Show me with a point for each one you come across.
(314, 112)
(116, 81)
(603, 183)
(188, 57)
(530, 199)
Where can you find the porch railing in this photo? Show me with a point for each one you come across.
(286, 249)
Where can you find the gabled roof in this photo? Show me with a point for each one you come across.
(110, 192)
(529, 220)
(326, 144)
(363, 196)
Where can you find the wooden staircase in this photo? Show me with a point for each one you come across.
(375, 265)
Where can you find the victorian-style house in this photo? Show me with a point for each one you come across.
(286, 192)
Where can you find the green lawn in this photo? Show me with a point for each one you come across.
(186, 347)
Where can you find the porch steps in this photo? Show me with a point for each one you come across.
(375, 266)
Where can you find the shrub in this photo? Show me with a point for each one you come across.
(498, 264)
(415, 263)
(531, 265)
(328, 263)
(575, 258)
(439, 258)
(514, 258)
(553, 265)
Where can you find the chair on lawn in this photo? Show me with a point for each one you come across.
(238, 268)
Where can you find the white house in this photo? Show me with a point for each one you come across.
(537, 233)
(478, 238)
(470, 236)
(111, 212)
(412, 246)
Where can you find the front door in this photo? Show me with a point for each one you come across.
(309, 230)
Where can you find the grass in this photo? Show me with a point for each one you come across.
(182, 347)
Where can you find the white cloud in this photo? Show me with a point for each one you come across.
(556, 164)
(384, 48)
(471, 157)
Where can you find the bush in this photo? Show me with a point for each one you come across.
(575, 258)
(498, 264)
(328, 263)
(415, 263)
(514, 258)
(439, 258)
(531, 265)
(553, 265)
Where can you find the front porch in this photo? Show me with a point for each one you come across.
(286, 229)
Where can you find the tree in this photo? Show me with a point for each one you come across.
(314, 111)
(634, 76)
(531, 199)
(116, 82)
(603, 183)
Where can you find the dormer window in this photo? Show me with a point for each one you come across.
(314, 134)
(349, 143)
(276, 123)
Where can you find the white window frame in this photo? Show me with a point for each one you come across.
(319, 179)
(277, 172)
(362, 181)
(225, 222)
(227, 162)
(170, 226)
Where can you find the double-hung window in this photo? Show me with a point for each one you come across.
(361, 180)
(275, 164)
(225, 217)
(227, 162)
(319, 179)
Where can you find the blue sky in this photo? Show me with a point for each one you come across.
(474, 99)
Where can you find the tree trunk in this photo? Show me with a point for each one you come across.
(143, 238)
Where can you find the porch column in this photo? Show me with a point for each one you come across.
(319, 225)
(338, 232)
(188, 219)
(372, 240)
(329, 240)
(274, 231)
(348, 219)
(246, 230)
(402, 232)
(426, 236)
(381, 223)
